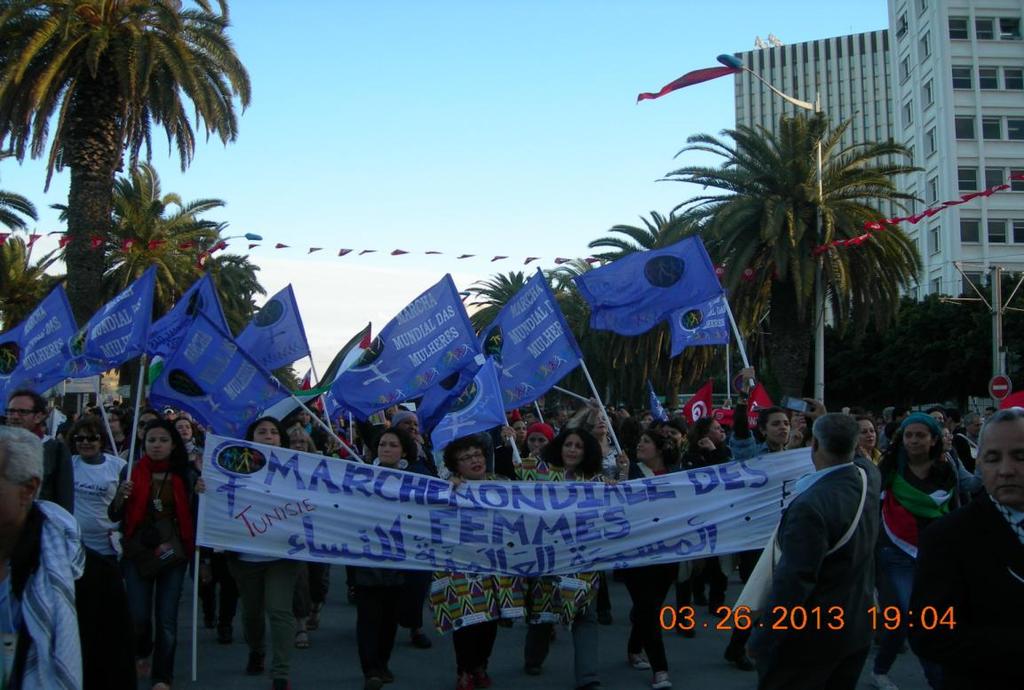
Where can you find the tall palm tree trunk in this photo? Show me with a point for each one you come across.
(790, 348)
(94, 152)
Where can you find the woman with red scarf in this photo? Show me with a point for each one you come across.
(159, 490)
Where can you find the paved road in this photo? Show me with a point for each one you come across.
(332, 662)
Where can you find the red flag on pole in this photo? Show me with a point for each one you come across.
(343, 252)
(757, 401)
(314, 249)
(398, 252)
(280, 246)
(689, 79)
(95, 242)
(32, 239)
(699, 405)
(4, 236)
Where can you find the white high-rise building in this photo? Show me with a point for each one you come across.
(851, 74)
(958, 91)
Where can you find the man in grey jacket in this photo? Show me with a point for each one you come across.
(815, 629)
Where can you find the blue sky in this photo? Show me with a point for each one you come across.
(464, 127)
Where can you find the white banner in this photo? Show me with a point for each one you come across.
(273, 502)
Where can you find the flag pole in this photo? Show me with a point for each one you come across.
(575, 395)
(195, 614)
(739, 339)
(604, 413)
(103, 414)
(540, 416)
(135, 415)
(728, 375)
(329, 430)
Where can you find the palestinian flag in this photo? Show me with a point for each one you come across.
(346, 357)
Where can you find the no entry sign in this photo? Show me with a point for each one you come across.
(999, 387)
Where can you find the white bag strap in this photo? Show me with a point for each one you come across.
(856, 519)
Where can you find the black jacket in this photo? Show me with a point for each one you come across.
(58, 475)
(972, 561)
(806, 577)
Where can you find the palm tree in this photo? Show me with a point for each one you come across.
(763, 229)
(152, 228)
(22, 283)
(99, 75)
(237, 286)
(493, 294)
(14, 206)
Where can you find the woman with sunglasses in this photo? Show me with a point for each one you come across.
(96, 476)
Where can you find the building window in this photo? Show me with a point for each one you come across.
(970, 230)
(925, 48)
(988, 78)
(1015, 128)
(964, 127)
(932, 191)
(1017, 185)
(962, 78)
(991, 128)
(984, 28)
(929, 142)
(901, 26)
(1009, 29)
(967, 179)
(937, 286)
(993, 177)
(1013, 79)
(958, 29)
(997, 232)
(969, 279)
(908, 113)
(934, 240)
(1018, 232)
(928, 92)
(905, 69)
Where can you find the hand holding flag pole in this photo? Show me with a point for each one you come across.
(135, 414)
(327, 427)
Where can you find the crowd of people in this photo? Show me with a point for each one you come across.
(904, 511)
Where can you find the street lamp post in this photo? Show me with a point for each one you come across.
(819, 288)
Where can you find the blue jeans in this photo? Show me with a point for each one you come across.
(161, 595)
(895, 581)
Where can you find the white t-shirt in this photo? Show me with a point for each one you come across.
(95, 488)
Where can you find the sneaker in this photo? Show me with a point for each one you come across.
(465, 682)
(387, 676)
(661, 681)
(738, 657)
(639, 662)
(481, 679)
(255, 666)
(882, 682)
(373, 683)
(420, 641)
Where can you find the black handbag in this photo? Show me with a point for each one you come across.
(155, 546)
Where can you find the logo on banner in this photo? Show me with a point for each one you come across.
(77, 342)
(699, 409)
(195, 304)
(181, 382)
(10, 355)
(238, 460)
(456, 353)
(466, 398)
(269, 314)
(493, 343)
(691, 320)
(426, 378)
(664, 271)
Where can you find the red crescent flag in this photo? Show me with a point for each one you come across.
(757, 401)
(689, 79)
(699, 405)
(5, 235)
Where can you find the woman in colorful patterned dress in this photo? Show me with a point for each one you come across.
(466, 604)
(574, 455)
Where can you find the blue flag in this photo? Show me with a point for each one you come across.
(633, 294)
(32, 354)
(477, 408)
(531, 344)
(704, 324)
(167, 332)
(657, 409)
(275, 336)
(429, 340)
(116, 333)
(436, 401)
(215, 380)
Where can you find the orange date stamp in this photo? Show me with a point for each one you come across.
(795, 618)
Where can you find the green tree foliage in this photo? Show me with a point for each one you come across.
(22, 282)
(761, 223)
(94, 78)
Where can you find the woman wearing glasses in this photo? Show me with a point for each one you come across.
(466, 604)
(96, 476)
